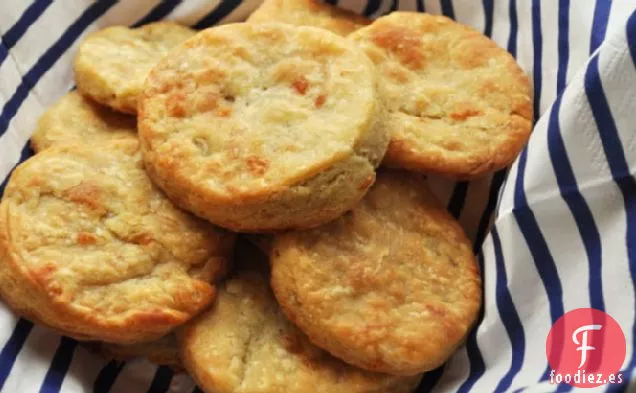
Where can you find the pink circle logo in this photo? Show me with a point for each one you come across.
(586, 348)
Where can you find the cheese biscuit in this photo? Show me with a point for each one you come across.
(458, 104)
(76, 119)
(90, 247)
(112, 64)
(392, 286)
(263, 127)
(244, 344)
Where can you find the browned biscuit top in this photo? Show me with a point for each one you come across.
(459, 105)
(245, 345)
(392, 286)
(309, 13)
(263, 126)
(76, 119)
(112, 64)
(89, 246)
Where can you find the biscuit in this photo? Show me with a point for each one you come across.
(244, 344)
(458, 105)
(309, 13)
(391, 287)
(88, 246)
(111, 64)
(163, 351)
(75, 119)
(263, 127)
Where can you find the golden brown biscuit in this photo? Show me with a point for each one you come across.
(111, 64)
(75, 119)
(309, 13)
(392, 286)
(244, 344)
(459, 105)
(263, 127)
(90, 247)
(163, 351)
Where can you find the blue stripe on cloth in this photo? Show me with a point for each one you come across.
(59, 366)
(12, 348)
(107, 377)
(631, 36)
(15, 32)
(578, 206)
(475, 359)
(160, 11)
(456, 203)
(48, 59)
(538, 248)
(563, 44)
(509, 316)
(447, 8)
(565, 174)
(599, 23)
(514, 27)
(484, 221)
(537, 41)
(489, 7)
(4, 51)
(161, 381)
(615, 155)
(522, 212)
(223, 9)
(372, 7)
(566, 179)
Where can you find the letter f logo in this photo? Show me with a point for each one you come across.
(583, 344)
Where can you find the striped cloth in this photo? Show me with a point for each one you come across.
(563, 232)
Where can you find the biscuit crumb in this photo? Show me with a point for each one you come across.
(209, 103)
(85, 193)
(301, 85)
(465, 113)
(256, 165)
(86, 238)
(320, 100)
(175, 105)
(224, 112)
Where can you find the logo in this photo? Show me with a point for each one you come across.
(586, 348)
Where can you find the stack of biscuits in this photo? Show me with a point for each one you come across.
(248, 202)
